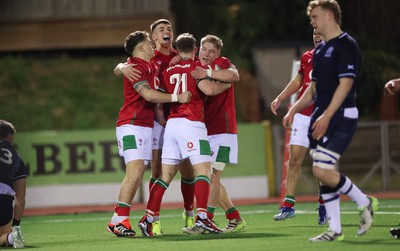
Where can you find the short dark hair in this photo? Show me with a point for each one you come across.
(133, 39)
(185, 43)
(6, 129)
(157, 22)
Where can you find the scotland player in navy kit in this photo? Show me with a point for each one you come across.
(333, 123)
(12, 186)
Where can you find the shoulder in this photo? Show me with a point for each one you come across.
(307, 56)
(348, 43)
(223, 63)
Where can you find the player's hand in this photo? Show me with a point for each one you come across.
(185, 97)
(199, 73)
(175, 60)
(287, 121)
(320, 126)
(274, 105)
(130, 72)
(391, 88)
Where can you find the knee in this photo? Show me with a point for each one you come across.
(295, 162)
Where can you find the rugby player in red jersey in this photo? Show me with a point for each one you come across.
(299, 142)
(135, 124)
(162, 35)
(185, 136)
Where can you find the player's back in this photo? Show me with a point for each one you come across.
(177, 79)
(12, 167)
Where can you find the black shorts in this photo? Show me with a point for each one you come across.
(6, 209)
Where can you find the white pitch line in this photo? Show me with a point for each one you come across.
(106, 219)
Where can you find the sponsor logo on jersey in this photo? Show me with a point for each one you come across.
(329, 52)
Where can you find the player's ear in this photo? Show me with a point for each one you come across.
(196, 49)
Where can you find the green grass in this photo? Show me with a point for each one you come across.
(87, 231)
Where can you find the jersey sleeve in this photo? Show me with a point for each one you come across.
(224, 63)
(303, 62)
(348, 60)
(22, 170)
(142, 78)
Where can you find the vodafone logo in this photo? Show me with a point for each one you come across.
(189, 145)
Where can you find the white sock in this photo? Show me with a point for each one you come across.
(10, 239)
(202, 215)
(332, 206)
(351, 190)
(189, 213)
(114, 219)
(121, 218)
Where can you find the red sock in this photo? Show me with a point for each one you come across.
(187, 189)
(156, 195)
(151, 183)
(123, 211)
(320, 200)
(202, 192)
(232, 213)
(210, 212)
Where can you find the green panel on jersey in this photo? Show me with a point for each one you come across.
(205, 148)
(223, 154)
(129, 142)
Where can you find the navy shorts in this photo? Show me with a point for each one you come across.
(6, 209)
(339, 134)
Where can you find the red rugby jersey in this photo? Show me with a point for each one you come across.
(306, 66)
(220, 112)
(135, 109)
(177, 79)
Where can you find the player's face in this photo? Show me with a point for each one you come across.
(163, 36)
(148, 48)
(318, 19)
(208, 53)
(317, 38)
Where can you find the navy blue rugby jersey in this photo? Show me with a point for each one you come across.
(337, 58)
(12, 168)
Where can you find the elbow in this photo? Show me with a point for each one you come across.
(236, 77)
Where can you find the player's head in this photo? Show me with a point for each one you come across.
(185, 43)
(210, 49)
(161, 33)
(7, 131)
(317, 38)
(138, 44)
(322, 11)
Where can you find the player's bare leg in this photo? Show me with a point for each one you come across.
(235, 222)
(6, 239)
(297, 154)
(133, 177)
